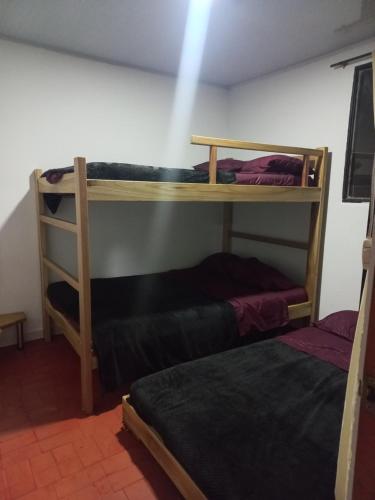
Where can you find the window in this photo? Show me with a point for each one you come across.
(360, 147)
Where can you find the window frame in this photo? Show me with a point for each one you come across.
(346, 198)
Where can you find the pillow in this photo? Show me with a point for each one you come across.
(219, 263)
(281, 164)
(260, 165)
(226, 165)
(287, 165)
(341, 323)
(248, 272)
(255, 274)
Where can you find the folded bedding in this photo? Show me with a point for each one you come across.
(142, 324)
(256, 422)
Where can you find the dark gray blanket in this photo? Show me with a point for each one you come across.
(142, 324)
(260, 422)
(130, 172)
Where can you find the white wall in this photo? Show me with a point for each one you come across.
(54, 107)
(308, 105)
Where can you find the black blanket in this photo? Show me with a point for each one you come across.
(261, 422)
(143, 324)
(130, 172)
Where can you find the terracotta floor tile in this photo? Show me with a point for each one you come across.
(72, 484)
(19, 454)
(117, 462)
(22, 439)
(119, 480)
(50, 429)
(69, 467)
(20, 489)
(118, 495)
(103, 486)
(107, 443)
(88, 493)
(60, 439)
(47, 476)
(41, 494)
(140, 490)
(88, 451)
(95, 472)
(44, 435)
(64, 452)
(42, 461)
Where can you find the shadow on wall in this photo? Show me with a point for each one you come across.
(19, 268)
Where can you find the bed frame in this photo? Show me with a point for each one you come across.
(85, 190)
(154, 443)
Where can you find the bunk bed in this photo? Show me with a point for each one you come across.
(86, 190)
(260, 421)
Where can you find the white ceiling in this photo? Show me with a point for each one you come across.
(245, 39)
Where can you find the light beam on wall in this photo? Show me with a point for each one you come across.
(181, 114)
(187, 81)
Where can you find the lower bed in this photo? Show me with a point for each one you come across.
(257, 422)
(143, 324)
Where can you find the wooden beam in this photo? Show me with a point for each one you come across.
(227, 226)
(83, 259)
(62, 273)
(106, 190)
(253, 146)
(61, 224)
(316, 239)
(302, 310)
(269, 239)
(42, 244)
(65, 186)
(305, 171)
(212, 168)
(160, 452)
(69, 331)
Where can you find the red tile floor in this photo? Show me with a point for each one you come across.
(50, 450)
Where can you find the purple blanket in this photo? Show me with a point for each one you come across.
(269, 179)
(321, 344)
(265, 311)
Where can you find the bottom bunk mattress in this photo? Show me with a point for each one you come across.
(143, 324)
(257, 422)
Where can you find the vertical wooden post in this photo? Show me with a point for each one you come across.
(42, 243)
(212, 169)
(305, 171)
(83, 261)
(227, 226)
(315, 252)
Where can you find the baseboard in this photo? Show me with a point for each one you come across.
(9, 336)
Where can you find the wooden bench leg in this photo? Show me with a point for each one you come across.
(19, 336)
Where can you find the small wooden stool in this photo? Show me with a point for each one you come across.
(16, 319)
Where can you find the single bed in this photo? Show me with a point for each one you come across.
(258, 422)
(143, 324)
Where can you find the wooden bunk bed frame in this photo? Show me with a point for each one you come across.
(85, 190)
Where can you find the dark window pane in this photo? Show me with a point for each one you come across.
(361, 138)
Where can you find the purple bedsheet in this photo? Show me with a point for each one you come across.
(321, 344)
(269, 179)
(265, 311)
(256, 311)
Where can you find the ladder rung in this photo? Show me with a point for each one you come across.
(62, 224)
(63, 274)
